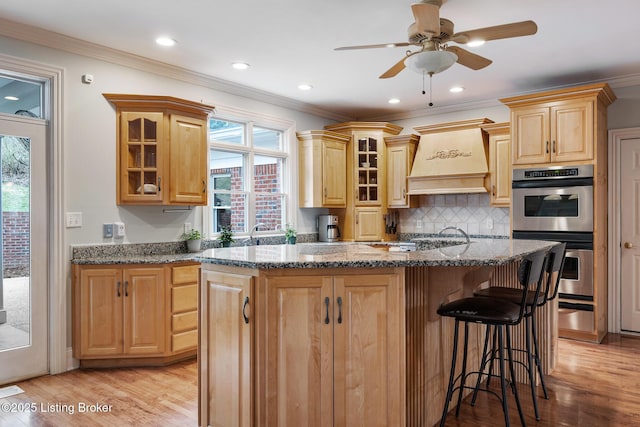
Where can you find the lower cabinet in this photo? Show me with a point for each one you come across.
(368, 224)
(302, 348)
(122, 315)
(225, 353)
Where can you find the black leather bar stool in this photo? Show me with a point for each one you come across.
(497, 314)
(555, 261)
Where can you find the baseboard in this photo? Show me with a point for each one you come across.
(71, 362)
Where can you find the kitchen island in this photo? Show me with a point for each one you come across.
(337, 334)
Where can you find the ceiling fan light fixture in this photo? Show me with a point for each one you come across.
(431, 61)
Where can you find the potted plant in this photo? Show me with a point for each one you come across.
(226, 236)
(194, 240)
(290, 234)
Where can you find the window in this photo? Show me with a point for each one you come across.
(248, 166)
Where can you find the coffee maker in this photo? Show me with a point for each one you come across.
(328, 230)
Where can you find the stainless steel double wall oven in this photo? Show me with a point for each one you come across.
(556, 203)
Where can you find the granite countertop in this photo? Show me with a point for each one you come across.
(479, 252)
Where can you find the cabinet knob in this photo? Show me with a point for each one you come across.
(628, 245)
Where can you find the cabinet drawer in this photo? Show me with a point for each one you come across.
(184, 298)
(184, 274)
(184, 321)
(184, 341)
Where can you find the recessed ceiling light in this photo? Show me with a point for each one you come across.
(394, 101)
(165, 41)
(475, 43)
(305, 86)
(11, 98)
(240, 65)
(456, 89)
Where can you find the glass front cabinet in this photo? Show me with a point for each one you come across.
(161, 150)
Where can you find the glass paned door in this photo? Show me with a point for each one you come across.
(23, 291)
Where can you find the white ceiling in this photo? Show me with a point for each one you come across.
(288, 42)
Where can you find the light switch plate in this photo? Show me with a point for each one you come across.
(73, 219)
(107, 230)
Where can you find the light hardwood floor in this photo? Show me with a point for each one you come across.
(593, 385)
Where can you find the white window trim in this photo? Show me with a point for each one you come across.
(290, 157)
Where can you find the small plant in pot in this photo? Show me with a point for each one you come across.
(290, 234)
(226, 237)
(194, 240)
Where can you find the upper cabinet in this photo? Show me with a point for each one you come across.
(322, 168)
(366, 176)
(558, 126)
(161, 150)
(499, 164)
(401, 149)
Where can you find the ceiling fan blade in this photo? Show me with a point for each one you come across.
(427, 17)
(468, 59)
(373, 46)
(393, 71)
(516, 29)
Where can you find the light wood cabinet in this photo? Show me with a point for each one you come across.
(126, 315)
(499, 164)
(184, 308)
(225, 353)
(401, 150)
(161, 150)
(337, 359)
(322, 157)
(121, 312)
(557, 126)
(366, 179)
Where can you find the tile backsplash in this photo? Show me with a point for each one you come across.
(470, 212)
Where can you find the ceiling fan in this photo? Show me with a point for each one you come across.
(433, 33)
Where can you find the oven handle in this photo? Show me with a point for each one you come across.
(557, 183)
(572, 306)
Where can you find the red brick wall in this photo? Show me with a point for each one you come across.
(15, 239)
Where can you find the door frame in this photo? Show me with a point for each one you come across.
(58, 263)
(616, 136)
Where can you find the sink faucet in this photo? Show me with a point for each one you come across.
(249, 240)
(460, 230)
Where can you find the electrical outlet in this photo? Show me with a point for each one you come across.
(118, 229)
(418, 224)
(490, 223)
(74, 219)
(107, 230)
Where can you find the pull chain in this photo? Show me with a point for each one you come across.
(423, 92)
(430, 90)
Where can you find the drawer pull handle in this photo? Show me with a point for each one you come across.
(204, 186)
(159, 189)
(547, 150)
(339, 309)
(118, 288)
(326, 303)
(126, 288)
(244, 308)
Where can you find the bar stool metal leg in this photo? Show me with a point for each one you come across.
(513, 376)
(534, 331)
(530, 369)
(449, 395)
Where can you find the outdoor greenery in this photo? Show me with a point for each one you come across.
(15, 174)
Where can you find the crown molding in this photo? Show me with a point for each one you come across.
(59, 41)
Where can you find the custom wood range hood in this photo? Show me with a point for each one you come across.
(451, 158)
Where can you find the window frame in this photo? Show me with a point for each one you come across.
(287, 154)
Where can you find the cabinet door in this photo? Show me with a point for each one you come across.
(368, 353)
(500, 170)
(334, 169)
(188, 160)
(144, 311)
(572, 131)
(300, 318)
(140, 161)
(225, 350)
(530, 135)
(368, 165)
(368, 224)
(397, 171)
(100, 311)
